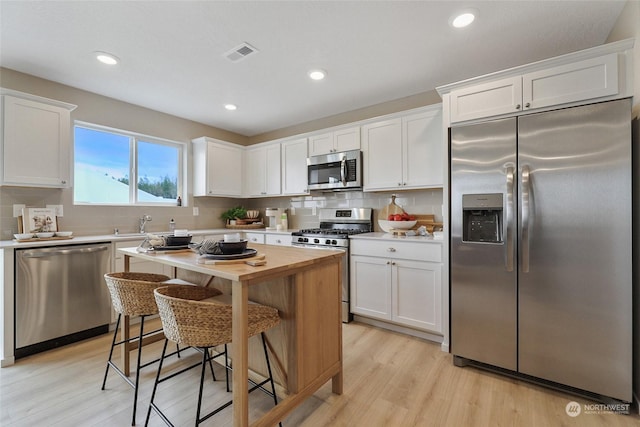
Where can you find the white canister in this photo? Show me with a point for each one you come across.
(232, 237)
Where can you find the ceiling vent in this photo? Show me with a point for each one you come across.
(240, 52)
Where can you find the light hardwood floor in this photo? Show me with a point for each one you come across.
(389, 380)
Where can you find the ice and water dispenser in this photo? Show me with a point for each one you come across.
(482, 218)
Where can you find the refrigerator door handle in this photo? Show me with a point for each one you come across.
(509, 246)
(526, 198)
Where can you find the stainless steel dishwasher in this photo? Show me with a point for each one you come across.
(60, 295)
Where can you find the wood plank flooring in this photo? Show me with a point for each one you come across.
(389, 380)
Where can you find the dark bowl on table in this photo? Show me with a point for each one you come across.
(233, 248)
(177, 240)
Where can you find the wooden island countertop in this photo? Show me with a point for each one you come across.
(304, 285)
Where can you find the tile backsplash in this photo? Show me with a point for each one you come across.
(302, 210)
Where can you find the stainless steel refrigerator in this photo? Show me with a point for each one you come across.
(541, 235)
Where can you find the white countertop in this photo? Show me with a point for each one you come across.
(393, 237)
(77, 240)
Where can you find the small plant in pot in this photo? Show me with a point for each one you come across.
(233, 214)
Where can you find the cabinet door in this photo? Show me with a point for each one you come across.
(272, 170)
(370, 287)
(321, 144)
(137, 264)
(294, 167)
(224, 170)
(256, 172)
(347, 139)
(488, 99)
(382, 155)
(583, 80)
(417, 294)
(35, 144)
(423, 154)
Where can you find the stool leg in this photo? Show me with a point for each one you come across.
(135, 388)
(273, 386)
(226, 366)
(205, 356)
(113, 343)
(155, 384)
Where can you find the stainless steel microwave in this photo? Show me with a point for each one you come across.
(335, 171)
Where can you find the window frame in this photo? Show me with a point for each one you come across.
(134, 139)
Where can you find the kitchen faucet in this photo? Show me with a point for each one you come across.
(143, 222)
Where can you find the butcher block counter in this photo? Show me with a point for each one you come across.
(304, 285)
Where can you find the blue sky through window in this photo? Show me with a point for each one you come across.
(102, 168)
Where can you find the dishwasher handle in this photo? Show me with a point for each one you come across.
(66, 251)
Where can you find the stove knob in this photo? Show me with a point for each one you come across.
(316, 240)
(334, 242)
(306, 240)
(327, 242)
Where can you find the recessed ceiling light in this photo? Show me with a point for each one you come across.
(317, 74)
(231, 107)
(463, 19)
(107, 58)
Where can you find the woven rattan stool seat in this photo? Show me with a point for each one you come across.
(132, 292)
(190, 321)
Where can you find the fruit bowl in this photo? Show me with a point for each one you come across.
(388, 226)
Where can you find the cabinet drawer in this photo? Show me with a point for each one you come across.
(255, 237)
(401, 250)
(278, 239)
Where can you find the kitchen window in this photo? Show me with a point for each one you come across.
(116, 167)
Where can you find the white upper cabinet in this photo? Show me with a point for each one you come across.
(263, 171)
(335, 141)
(592, 75)
(589, 79)
(294, 167)
(36, 142)
(217, 168)
(404, 152)
(502, 96)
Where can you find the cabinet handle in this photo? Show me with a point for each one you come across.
(517, 106)
(388, 262)
(278, 241)
(399, 184)
(393, 263)
(391, 250)
(64, 182)
(527, 105)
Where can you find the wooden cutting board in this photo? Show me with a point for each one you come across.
(258, 259)
(391, 208)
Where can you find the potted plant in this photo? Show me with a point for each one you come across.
(232, 214)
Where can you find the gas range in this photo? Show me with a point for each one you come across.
(336, 225)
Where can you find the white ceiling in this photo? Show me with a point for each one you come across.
(173, 52)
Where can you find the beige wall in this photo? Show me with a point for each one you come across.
(628, 26)
(407, 103)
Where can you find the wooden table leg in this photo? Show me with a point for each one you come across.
(240, 348)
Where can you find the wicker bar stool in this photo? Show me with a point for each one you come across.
(132, 295)
(191, 317)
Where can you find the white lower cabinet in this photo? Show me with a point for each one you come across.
(254, 237)
(278, 239)
(136, 264)
(399, 282)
